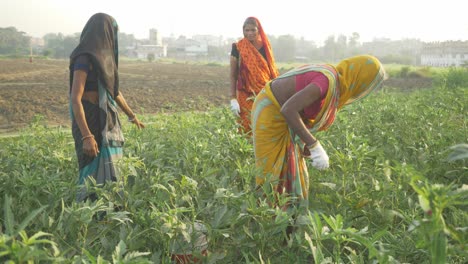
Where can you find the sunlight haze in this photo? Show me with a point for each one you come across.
(313, 20)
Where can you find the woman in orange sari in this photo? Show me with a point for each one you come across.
(252, 66)
(291, 108)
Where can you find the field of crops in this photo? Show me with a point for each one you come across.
(396, 191)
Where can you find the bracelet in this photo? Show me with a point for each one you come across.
(88, 136)
(132, 119)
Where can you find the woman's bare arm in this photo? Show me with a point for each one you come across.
(128, 111)
(90, 146)
(294, 105)
(233, 76)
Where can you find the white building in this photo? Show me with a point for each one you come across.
(142, 51)
(445, 54)
(154, 37)
(196, 49)
(153, 46)
(210, 40)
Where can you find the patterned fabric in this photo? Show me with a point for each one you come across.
(276, 154)
(105, 125)
(359, 76)
(100, 42)
(254, 72)
(245, 100)
(327, 114)
(278, 151)
(352, 79)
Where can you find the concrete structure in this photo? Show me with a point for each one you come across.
(445, 54)
(196, 49)
(383, 47)
(210, 40)
(142, 51)
(154, 37)
(153, 46)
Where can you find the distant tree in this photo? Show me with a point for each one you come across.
(47, 52)
(217, 53)
(59, 46)
(341, 47)
(13, 41)
(329, 48)
(353, 44)
(54, 42)
(126, 41)
(285, 49)
(151, 57)
(396, 58)
(70, 43)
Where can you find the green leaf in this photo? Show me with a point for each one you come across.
(459, 152)
(9, 219)
(316, 251)
(30, 217)
(218, 218)
(119, 251)
(439, 248)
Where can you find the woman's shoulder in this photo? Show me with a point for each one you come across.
(234, 50)
(82, 59)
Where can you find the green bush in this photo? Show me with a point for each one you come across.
(456, 77)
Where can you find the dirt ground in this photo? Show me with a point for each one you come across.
(41, 88)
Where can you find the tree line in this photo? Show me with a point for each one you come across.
(286, 48)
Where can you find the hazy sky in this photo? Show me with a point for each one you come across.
(427, 20)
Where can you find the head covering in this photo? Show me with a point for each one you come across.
(99, 40)
(254, 70)
(352, 79)
(358, 77)
(267, 47)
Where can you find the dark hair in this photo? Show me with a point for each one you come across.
(250, 21)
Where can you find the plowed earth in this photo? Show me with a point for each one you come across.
(41, 88)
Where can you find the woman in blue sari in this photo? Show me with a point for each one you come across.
(94, 97)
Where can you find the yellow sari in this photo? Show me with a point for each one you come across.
(278, 153)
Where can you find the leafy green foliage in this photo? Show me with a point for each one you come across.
(453, 77)
(394, 156)
(13, 41)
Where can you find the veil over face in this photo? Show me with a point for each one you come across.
(99, 40)
(358, 77)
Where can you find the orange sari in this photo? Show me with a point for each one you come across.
(254, 72)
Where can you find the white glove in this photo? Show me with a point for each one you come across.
(235, 108)
(319, 157)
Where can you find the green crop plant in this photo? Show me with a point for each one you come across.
(389, 154)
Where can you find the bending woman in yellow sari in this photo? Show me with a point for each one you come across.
(292, 107)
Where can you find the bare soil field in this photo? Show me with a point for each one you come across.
(41, 88)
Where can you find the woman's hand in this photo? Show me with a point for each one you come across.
(131, 116)
(137, 122)
(90, 146)
(235, 108)
(318, 156)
